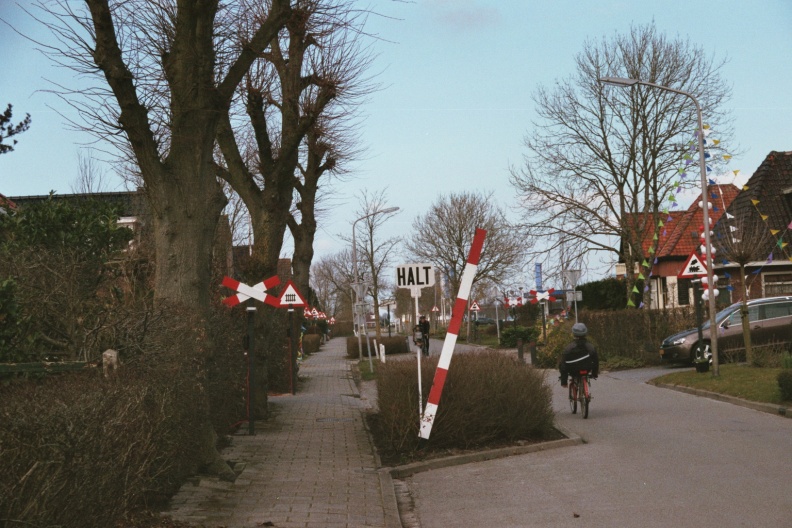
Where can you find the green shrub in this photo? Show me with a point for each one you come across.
(785, 384)
(558, 337)
(488, 398)
(786, 361)
(511, 334)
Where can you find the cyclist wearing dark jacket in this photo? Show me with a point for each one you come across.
(578, 355)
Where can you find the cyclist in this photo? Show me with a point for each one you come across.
(423, 328)
(578, 355)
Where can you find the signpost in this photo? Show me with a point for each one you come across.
(415, 277)
(245, 292)
(291, 298)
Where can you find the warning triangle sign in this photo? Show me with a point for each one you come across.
(290, 297)
(694, 267)
(474, 307)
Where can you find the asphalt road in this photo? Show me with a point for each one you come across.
(652, 457)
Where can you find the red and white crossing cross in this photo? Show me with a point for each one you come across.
(306, 312)
(543, 295)
(427, 420)
(257, 291)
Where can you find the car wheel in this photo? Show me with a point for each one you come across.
(702, 352)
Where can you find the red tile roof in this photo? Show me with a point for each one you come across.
(683, 234)
(675, 238)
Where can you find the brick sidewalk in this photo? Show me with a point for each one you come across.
(311, 465)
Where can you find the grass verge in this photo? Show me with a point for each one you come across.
(738, 380)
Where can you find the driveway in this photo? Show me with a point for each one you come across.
(652, 457)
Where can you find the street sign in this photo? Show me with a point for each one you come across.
(572, 296)
(542, 296)
(694, 267)
(435, 309)
(474, 307)
(290, 297)
(415, 275)
(256, 291)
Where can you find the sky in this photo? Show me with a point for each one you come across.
(455, 101)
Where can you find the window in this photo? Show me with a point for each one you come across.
(777, 284)
(683, 292)
(777, 310)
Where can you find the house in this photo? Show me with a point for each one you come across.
(679, 236)
(758, 222)
(757, 217)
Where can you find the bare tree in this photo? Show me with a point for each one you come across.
(288, 98)
(742, 240)
(330, 280)
(169, 72)
(603, 160)
(172, 69)
(444, 234)
(90, 177)
(376, 253)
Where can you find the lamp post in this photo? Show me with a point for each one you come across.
(357, 285)
(620, 81)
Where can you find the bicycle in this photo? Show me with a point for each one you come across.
(580, 391)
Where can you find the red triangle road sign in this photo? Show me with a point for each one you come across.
(290, 297)
(694, 267)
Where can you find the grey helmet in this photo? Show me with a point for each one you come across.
(579, 330)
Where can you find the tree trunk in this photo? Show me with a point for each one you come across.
(185, 221)
(746, 324)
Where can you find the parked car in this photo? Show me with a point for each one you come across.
(485, 321)
(770, 321)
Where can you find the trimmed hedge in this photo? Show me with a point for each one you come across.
(785, 384)
(393, 345)
(82, 450)
(311, 343)
(488, 398)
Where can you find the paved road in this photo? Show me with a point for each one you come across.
(652, 457)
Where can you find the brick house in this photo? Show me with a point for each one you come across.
(678, 238)
(759, 218)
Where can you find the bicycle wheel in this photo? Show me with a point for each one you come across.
(584, 398)
(573, 396)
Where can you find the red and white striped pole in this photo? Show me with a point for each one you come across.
(427, 420)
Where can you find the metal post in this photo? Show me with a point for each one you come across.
(251, 315)
(619, 81)
(292, 355)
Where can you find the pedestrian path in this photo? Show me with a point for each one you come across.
(311, 465)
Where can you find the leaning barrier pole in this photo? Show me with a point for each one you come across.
(427, 420)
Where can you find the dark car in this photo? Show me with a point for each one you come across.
(485, 321)
(770, 322)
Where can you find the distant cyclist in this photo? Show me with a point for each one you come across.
(578, 355)
(423, 328)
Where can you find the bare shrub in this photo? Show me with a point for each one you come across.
(342, 329)
(311, 343)
(393, 345)
(489, 398)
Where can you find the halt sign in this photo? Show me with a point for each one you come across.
(415, 275)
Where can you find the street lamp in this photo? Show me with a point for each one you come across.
(622, 82)
(358, 284)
